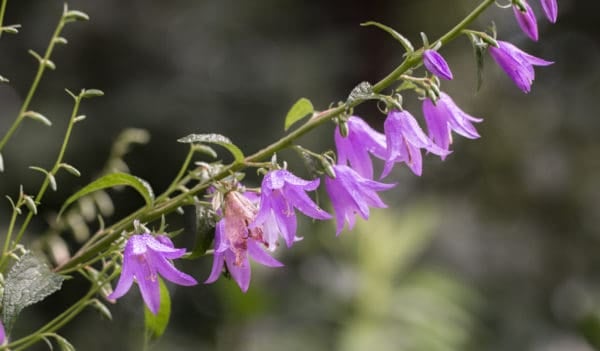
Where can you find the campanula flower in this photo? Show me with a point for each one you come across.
(443, 117)
(550, 9)
(281, 192)
(436, 64)
(144, 258)
(235, 242)
(352, 194)
(356, 146)
(405, 139)
(517, 64)
(527, 21)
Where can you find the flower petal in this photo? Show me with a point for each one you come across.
(241, 274)
(217, 268)
(300, 200)
(168, 271)
(436, 64)
(260, 256)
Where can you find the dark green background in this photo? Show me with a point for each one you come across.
(494, 249)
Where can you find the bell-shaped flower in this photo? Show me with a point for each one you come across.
(145, 258)
(527, 21)
(517, 64)
(436, 64)
(356, 146)
(443, 117)
(235, 242)
(280, 193)
(550, 9)
(405, 139)
(353, 194)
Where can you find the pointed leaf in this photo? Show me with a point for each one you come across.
(110, 181)
(298, 111)
(218, 139)
(156, 324)
(399, 37)
(28, 281)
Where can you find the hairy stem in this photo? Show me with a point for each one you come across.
(112, 233)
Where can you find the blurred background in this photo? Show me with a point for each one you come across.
(494, 249)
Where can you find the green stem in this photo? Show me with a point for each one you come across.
(54, 170)
(34, 85)
(179, 176)
(2, 11)
(144, 214)
(11, 227)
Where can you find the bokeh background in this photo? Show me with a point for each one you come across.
(494, 249)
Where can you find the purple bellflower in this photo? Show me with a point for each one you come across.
(443, 117)
(436, 64)
(352, 194)
(281, 192)
(356, 146)
(550, 9)
(145, 257)
(527, 21)
(517, 64)
(235, 242)
(405, 139)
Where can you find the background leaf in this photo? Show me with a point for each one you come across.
(156, 324)
(218, 139)
(29, 281)
(110, 181)
(302, 108)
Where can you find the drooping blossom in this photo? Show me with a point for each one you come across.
(281, 192)
(436, 64)
(443, 117)
(550, 9)
(527, 21)
(235, 242)
(145, 258)
(517, 64)
(405, 139)
(356, 146)
(352, 194)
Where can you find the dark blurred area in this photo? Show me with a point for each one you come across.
(495, 248)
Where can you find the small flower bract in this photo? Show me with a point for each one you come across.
(144, 258)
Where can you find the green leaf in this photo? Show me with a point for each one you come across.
(110, 181)
(399, 37)
(205, 224)
(218, 139)
(298, 111)
(29, 281)
(156, 324)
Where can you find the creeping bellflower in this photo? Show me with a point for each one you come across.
(550, 9)
(352, 194)
(527, 21)
(517, 64)
(235, 242)
(145, 257)
(281, 192)
(443, 117)
(405, 139)
(436, 64)
(356, 146)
